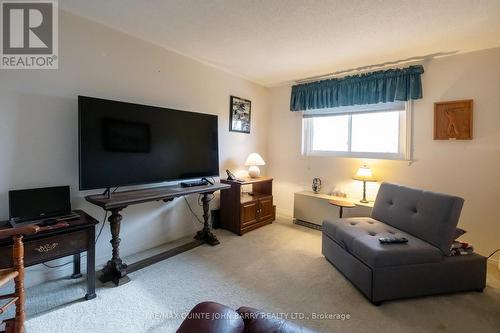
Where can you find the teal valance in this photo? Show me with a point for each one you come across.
(369, 88)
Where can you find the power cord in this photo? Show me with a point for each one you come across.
(496, 261)
(491, 255)
(199, 204)
(57, 266)
(104, 220)
(49, 266)
(192, 212)
(211, 182)
(102, 227)
(61, 265)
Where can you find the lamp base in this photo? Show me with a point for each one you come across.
(364, 193)
(254, 171)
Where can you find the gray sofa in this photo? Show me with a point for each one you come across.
(417, 268)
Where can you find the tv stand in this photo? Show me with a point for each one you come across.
(116, 270)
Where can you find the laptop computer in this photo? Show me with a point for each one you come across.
(40, 205)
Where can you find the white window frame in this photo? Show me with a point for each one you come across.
(405, 139)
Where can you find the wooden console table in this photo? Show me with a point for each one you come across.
(116, 270)
(45, 246)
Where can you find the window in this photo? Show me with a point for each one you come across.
(371, 131)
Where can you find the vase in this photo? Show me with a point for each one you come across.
(316, 185)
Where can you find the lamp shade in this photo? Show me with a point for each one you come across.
(254, 159)
(364, 174)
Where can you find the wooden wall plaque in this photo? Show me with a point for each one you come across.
(453, 120)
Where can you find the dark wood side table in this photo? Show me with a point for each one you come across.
(78, 237)
(242, 212)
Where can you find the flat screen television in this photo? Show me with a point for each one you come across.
(124, 144)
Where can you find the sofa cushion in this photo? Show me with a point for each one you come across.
(359, 236)
(427, 215)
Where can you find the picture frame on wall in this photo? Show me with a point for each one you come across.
(453, 120)
(240, 110)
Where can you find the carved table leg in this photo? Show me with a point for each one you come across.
(206, 234)
(115, 270)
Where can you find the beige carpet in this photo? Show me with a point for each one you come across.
(278, 268)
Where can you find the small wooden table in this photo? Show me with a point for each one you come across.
(241, 213)
(78, 237)
(311, 209)
(342, 204)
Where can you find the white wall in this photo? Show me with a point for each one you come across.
(465, 168)
(38, 122)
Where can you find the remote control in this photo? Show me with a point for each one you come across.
(392, 240)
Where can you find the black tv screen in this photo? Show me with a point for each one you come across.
(124, 144)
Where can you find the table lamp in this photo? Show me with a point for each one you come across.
(364, 174)
(254, 160)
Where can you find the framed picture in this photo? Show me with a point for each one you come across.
(453, 120)
(240, 112)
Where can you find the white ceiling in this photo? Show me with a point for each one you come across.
(275, 41)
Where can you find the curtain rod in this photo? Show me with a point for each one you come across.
(364, 69)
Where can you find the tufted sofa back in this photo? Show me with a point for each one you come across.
(430, 216)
